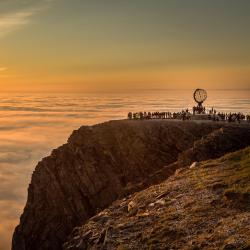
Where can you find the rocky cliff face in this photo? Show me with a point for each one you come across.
(205, 207)
(102, 163)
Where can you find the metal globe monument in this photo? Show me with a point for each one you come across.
(200, 95)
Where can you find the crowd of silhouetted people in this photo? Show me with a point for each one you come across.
(150, 115)
(159, 115)
(186, 115)
(231, 117)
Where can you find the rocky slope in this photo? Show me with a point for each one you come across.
(102, 163)
(203, 207)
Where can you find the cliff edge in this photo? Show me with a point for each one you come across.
(203, 207)
(102, 163)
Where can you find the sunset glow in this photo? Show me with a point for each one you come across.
(70, 63)
(97, 45)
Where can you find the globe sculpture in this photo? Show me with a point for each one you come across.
(200, 95)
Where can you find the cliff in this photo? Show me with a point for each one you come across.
(102, 163)
(205, 207)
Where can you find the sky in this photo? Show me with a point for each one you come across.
(81, 45)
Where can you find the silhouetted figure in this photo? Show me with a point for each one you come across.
(248, 118)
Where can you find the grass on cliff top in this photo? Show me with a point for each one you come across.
(241, 161)
(200, 209)
(232, 170)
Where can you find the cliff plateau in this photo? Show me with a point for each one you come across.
(203, 207)
(102, 163)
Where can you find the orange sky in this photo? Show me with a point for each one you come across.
(53, 45)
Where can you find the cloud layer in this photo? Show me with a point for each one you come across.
(16, 14)
(31, 125)
(11, 22)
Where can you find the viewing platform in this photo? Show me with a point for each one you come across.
(199, 112)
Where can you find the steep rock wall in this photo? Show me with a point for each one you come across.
(98, 164)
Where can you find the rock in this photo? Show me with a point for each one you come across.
(132, 208)
(187, 221)
(238, 199)
(213, 145)
(194, 165)
(179, 171)
(145, 214)
(81, 245)
(236, 244)
(161, 202)
(102, 163)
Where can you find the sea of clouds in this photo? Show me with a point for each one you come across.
(31, 125)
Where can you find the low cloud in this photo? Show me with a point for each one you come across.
(17, 161)
(3, 69)
(15, 15)
(11, 22)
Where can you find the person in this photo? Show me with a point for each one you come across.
(183, 117)
(130, 115)
(248, 118)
